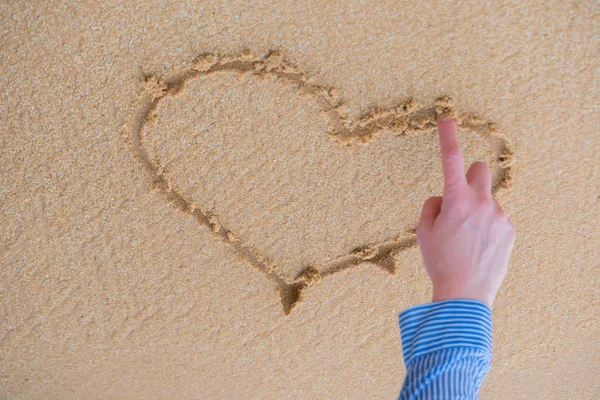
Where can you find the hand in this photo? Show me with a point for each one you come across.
(465, 237)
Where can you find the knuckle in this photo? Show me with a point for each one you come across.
(462, 209)
(453, 152)
(461, 203)
(482, 204)
(452, 185)
(486, 202)
(459, 192)
(499, 210)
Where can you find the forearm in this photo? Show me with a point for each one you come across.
(447, 349)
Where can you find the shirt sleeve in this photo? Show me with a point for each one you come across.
(447, 349)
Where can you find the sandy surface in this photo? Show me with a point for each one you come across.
(217, 200)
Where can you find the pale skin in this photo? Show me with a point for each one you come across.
(465, 237)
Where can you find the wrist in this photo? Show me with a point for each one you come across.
(441, 294)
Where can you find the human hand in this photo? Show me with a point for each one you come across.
(465, 237)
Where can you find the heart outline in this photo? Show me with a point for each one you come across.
(408, 117)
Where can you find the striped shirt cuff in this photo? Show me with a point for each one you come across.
(445, 324)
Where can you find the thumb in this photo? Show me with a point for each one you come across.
(431, 209)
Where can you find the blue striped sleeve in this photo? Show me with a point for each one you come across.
(447, 349)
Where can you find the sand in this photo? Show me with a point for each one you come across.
(218, 200)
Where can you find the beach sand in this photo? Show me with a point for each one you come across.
(218, 200)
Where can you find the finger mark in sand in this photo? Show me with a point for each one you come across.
(408, 117)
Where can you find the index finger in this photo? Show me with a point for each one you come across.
(453, 163)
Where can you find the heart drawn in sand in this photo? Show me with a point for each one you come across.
(405, 118)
